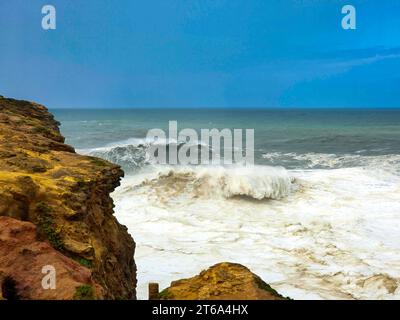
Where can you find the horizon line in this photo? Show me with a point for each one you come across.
(221, 108)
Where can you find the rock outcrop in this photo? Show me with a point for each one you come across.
(66, 195)
(223, 281)
(25, 263)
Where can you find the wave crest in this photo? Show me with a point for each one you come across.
(258, 182)
(292, 160)
(133, 154)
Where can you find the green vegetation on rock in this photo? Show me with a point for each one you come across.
(264, 286)
(164, 295)
(47, 226)
(86, 263)
(84, 292)
(98, 161)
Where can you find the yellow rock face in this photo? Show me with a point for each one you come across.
(66, 195)
(223, 281)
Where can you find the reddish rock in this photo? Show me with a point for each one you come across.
(22, 258)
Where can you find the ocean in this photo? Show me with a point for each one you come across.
(317, 216)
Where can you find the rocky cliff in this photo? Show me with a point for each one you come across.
(66, 196)
(223, 281)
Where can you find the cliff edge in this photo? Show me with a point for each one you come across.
(66, 198)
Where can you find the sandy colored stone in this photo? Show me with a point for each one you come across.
(66, 195)
(78, 247)
(223, 281)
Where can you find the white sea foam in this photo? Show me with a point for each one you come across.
(329, 234)
(258, 182)
(312, 160)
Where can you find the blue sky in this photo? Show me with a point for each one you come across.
(201, 53)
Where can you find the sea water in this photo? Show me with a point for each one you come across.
(317, 217)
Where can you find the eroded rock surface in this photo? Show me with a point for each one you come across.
(66, 195)
(25, 262)
(223, 281)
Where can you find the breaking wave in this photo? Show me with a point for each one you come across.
(258, 182)
(133, 154)
(292, 160)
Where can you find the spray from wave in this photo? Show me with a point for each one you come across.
(328, 205)
(133, 154)
(259, 182)
(311, 160)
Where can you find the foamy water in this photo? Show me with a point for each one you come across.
(315, 234)
(319, 217)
